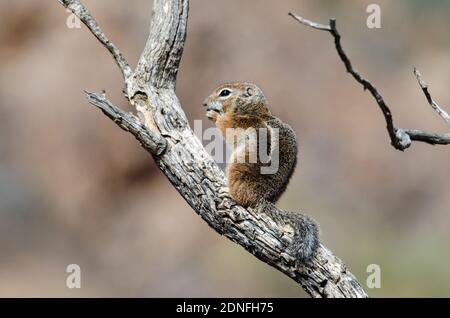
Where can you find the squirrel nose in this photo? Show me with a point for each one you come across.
(214, 106)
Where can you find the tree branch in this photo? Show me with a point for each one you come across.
(192, 171)
(164, 48)
(430, 100)
(427, 137)
(400, 138)
(150, 141)
(85, 16)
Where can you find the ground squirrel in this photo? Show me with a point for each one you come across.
(238, 110)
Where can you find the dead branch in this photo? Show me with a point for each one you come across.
(400, 138)
(85, 16)
(430, 99)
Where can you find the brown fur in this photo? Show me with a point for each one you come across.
(244, 110)
(246, 107)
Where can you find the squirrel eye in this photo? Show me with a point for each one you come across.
(224, 93)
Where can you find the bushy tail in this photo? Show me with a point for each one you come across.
(306, 237)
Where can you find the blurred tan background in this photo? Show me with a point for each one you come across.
(76, 189)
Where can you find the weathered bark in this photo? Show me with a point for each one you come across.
(163, 130)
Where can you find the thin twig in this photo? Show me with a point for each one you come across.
(400, 138)
(430, 99)
(312, 24)
(85, 16)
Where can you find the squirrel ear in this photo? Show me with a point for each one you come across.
(250, 91)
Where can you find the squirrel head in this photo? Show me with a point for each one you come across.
(235, 105)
